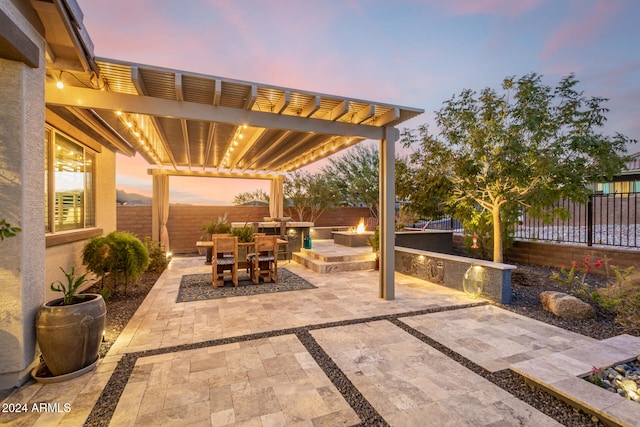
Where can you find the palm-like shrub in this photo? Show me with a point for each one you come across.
(244, 233)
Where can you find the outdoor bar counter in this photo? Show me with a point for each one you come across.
(294, 232)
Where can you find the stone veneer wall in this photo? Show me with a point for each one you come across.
(448, 270)
(428, 240)
(185, 221)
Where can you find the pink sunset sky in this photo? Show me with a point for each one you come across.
(416, 53)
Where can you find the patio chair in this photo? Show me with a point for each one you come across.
(221, 263)
(264, 262)
(248, 263)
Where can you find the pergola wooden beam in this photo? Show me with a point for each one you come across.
(89, 98)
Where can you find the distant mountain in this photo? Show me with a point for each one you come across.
(124, 198)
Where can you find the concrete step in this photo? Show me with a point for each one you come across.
(366, 256)
(322, 267)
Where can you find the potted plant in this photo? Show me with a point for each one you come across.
(244, 233)
(215, 226)
(374, 242)
(69, 330)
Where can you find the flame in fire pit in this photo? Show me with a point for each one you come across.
(359, 229)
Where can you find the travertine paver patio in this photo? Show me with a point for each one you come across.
(412, 384)
(335, 355)
(495, 338)
(270, 382)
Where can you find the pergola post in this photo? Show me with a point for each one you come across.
(387, 212)
(276, 197)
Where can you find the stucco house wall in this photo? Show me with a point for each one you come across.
(29, 261)
(21, 198)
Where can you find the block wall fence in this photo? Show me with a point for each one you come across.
(185, 221)
(559, 255)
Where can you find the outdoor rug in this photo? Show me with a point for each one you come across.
(198, 287)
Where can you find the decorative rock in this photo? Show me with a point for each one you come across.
(625, 382)
(566, 306)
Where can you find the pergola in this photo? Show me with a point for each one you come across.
(190, 124)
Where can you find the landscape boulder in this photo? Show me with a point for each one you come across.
(566, 306)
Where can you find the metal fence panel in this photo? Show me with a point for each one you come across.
(610, 220)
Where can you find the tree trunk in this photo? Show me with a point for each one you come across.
(497, 234)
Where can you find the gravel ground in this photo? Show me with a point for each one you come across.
(527, 283)
(121, 306)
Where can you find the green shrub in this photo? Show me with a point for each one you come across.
(96, 255)
(374, 240)
(121, 254)
(575, 278)
(622, 297)
(157, 257)
(130, 257)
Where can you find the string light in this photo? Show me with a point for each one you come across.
(226, 160)
(136, 125)
(59, 83)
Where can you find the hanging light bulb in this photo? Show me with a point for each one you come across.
(59, 83)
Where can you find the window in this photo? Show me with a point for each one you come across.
(69, 183)
(622, 187)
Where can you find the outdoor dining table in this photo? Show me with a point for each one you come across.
(242, 259)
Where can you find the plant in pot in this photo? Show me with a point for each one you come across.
(69, 330)
(215, 226)
(374, 242)
(245, 235)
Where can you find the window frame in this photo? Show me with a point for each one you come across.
(53, 235)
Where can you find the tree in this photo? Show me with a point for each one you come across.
(310, 194)
(355, 175)
(525, 147)
(258, 197)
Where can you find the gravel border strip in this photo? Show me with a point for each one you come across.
(510, 381)
(105, 406)
(361, 406)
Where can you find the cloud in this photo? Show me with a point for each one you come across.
(486, 7)
(582, 26)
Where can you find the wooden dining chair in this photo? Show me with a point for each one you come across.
(225, 258)
(264, 262)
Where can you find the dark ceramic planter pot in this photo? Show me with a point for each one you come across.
(69, 336)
